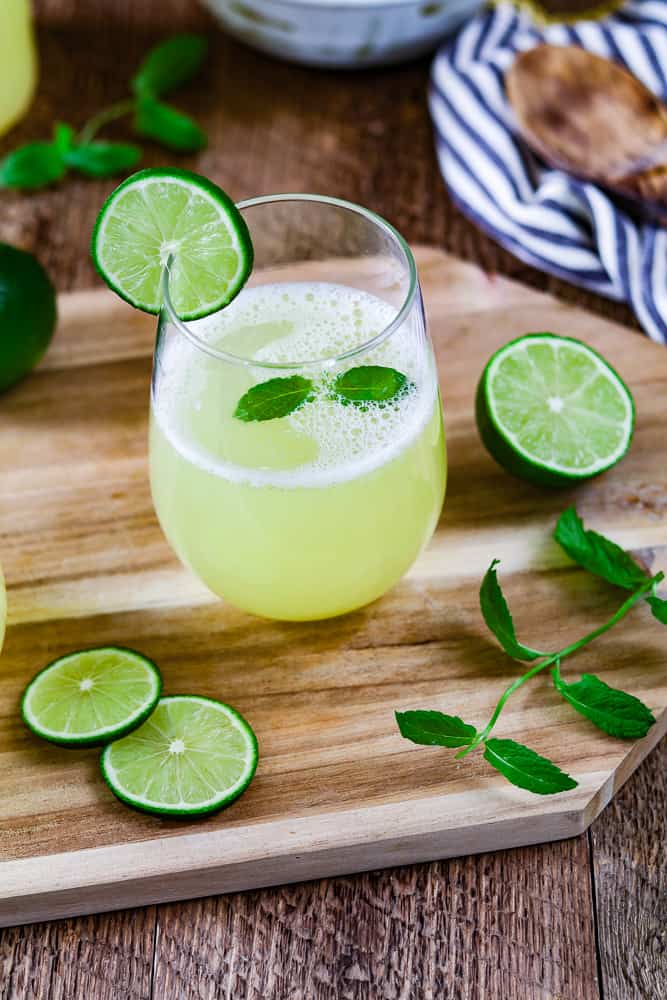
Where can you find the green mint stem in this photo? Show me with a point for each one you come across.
(104, 117)
(557, 657)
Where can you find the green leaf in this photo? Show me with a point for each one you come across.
(658, 607)
(63, 137)
(499, 619)
(103, 159)
(615, 712)
(597, 554)
(435, 729)
(275, 398)
(170, 64)
(169, 127)
(369, 383)
(33, 166)
(525, 768)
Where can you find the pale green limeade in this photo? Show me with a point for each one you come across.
(316, 513)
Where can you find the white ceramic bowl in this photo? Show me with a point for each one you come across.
(342, 33)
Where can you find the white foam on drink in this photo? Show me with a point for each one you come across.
(319, 319)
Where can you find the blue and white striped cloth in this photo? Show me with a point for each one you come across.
(568, 227)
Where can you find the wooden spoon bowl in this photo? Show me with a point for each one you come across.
(587, 115)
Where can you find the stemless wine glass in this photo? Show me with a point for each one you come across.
(320, 510)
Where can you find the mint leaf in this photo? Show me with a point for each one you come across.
(103, 159)
(434, 728)
(63, 137)
(525, 768)
(276, 398)
(597, 554)
(614, 711)
(658, 607)
(369, 383)
(167, 126)
(170, 64)
(33, 166)
(499, 619)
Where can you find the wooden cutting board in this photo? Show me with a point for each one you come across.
(337, 789)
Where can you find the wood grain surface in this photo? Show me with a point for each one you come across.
(364, 136)
(86, 564)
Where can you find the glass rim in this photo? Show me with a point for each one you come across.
(184, 325)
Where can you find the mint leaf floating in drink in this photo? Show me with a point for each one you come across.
(499, 619)
(434, 728)
(616, 712)
(170, 64)
(597, 554)
(164, 124)
(273, 399)
(369, 384)
(525, 768)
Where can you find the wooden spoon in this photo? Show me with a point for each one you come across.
(591, 117)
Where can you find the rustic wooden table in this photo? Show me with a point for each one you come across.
(575, 920)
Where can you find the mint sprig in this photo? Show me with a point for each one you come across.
(615, 712)
(279, 397)
(39, 164)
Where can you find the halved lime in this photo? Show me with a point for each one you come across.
(193, 756)
(158, 213)
(551, 410)
(91, 696)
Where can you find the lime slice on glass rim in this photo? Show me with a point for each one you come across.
(552, 411)
(192, 757)
(92, 696)
(158, 214)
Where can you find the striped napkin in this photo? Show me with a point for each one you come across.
(568, 227)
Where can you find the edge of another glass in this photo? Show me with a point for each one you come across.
(377, 220)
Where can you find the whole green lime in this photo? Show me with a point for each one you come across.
(27, 313)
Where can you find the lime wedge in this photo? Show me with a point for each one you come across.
(190, 758)
(156, 214)
(551, 410)
(91, 697)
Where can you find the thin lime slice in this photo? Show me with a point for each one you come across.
(157, 214)
(551, 410)
(190, 758)
(92, 696)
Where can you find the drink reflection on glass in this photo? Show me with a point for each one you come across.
(322, 510)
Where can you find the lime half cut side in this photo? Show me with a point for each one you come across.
(192, 757)
(156, 215)
(552, 411)
(92, 696)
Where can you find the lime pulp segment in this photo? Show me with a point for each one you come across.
(556, 404)
(91, 696)
(192, 756)
(156, 215)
